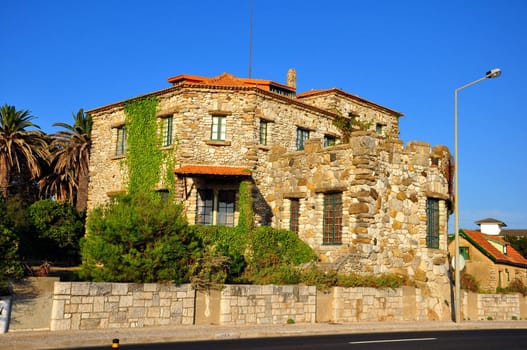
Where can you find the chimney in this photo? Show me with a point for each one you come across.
(291, 78)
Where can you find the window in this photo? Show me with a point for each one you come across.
(218, 128)
(332, 225)
(379, 128)
(226, 208)
(463, 251)
(432, 221)
(329, 140)
(301, 136)
(166, 131)
(263, 132)
(120, 145)
(295, 214)
(204, 207)
(215, 207)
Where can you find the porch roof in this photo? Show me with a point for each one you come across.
(216, 170)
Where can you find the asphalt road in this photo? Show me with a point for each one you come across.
(495, 339)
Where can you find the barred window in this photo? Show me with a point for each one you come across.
(295, 214)
(332, 227)
(432, 217)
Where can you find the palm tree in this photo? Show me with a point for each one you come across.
(20, 149)
(70, 161)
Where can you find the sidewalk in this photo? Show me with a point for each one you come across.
(76, 339)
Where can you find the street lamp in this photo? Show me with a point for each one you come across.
(493, 73)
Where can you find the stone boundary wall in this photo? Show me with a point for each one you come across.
(494, 306)
(87, 305)
(267, 304)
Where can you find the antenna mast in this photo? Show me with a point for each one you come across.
(251, 41)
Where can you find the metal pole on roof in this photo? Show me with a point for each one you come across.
(494, 73)
(251, 40)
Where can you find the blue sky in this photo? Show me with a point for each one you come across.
(409, 55)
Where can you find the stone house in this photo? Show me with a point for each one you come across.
(356, 194)
(491, 260)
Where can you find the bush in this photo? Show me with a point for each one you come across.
(468, 282)
(229, 242)
(137, 239)
(10, 266)
(59, 227)
(271, 247)
(322, 280)
(516, 286)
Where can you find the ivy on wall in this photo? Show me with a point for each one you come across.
(143, 155)
(246, 218)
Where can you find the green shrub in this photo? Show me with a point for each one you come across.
(322, 280)
(272, 247)
(59, 227)
(137, 239)
(469, 282)
(230, 242)
(10, 265)
(515, 286)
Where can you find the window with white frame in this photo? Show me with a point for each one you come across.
(218, 128)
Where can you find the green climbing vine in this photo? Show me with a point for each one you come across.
(246, 218)
(347, 124)
(143, 155)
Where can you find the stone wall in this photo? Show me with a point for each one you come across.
(493, 306)
(268, 304)
(83, 305)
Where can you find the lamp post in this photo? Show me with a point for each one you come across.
(494, 73)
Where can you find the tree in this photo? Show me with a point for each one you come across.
(137, 238)
(70, 158)
(59, 228)
(20, 149)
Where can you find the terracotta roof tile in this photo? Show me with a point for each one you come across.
(212, 170)
(482, 242)
(227, 79)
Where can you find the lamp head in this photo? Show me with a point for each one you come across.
(493, 73)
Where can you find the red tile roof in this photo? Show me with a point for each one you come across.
(482, 242)
(227, 79)
(212, 170)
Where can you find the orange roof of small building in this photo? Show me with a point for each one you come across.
(227, 79)
(482, 242)
(212, 170)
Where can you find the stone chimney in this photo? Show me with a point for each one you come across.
(291, 78)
